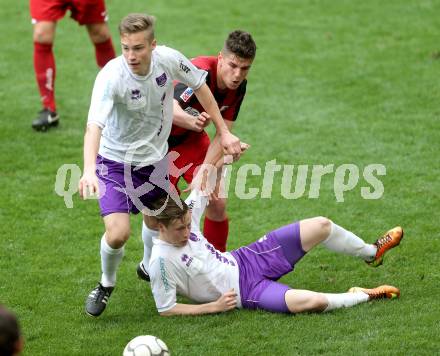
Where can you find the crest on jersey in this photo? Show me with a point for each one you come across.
(186, 259)
(136, 101)
(187, 94)
(136, 94)
(161, 79)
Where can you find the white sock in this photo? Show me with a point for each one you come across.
(341, 240)
(344, 300)
(147, 237)
(110, 260)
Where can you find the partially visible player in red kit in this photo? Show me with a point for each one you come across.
(45, 14)
(226, 78)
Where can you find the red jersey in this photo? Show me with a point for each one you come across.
(228, 101)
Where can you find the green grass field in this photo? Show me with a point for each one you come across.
(334, 82)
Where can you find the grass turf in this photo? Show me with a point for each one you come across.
(333, 83)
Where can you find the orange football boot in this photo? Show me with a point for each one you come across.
(391, 239)
(381, 292)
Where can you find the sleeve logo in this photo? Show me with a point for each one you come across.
(187, 94)
(184, 67)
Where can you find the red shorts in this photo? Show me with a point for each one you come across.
(192, 150)
(82, 11)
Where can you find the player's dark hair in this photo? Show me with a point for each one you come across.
(168, 210)
(9, 332)
(241, 44)
(135, 22)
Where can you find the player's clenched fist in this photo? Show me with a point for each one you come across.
(88, 185)
(230, 144)
(228, 159)
(227, 301)
(201, 121)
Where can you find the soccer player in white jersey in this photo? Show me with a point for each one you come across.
(125, 143)
(184, 262)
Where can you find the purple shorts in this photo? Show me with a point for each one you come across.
(263, 262)
(123, 194)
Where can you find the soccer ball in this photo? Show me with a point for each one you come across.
(146, 345)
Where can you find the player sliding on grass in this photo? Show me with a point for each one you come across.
(129, 122)
(184, 262)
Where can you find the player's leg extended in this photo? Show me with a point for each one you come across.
(299, 301)
(45, 70)
(295, 240)
(100, 36)
(280, 298)
(336, 238)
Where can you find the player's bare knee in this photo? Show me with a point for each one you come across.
(320, 302)
(43, 36)
(324, 226)
(117, 236)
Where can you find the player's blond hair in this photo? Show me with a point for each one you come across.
(137, 22)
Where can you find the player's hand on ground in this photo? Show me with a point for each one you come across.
(230, 144)
(88, 185)
(227, 301)
(201, 121)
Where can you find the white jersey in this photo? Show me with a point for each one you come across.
(136, 112)
(196, 270)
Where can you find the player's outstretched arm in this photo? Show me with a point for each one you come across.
(88, 184)
(229, 142)
(226, 302)
(215, 151)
